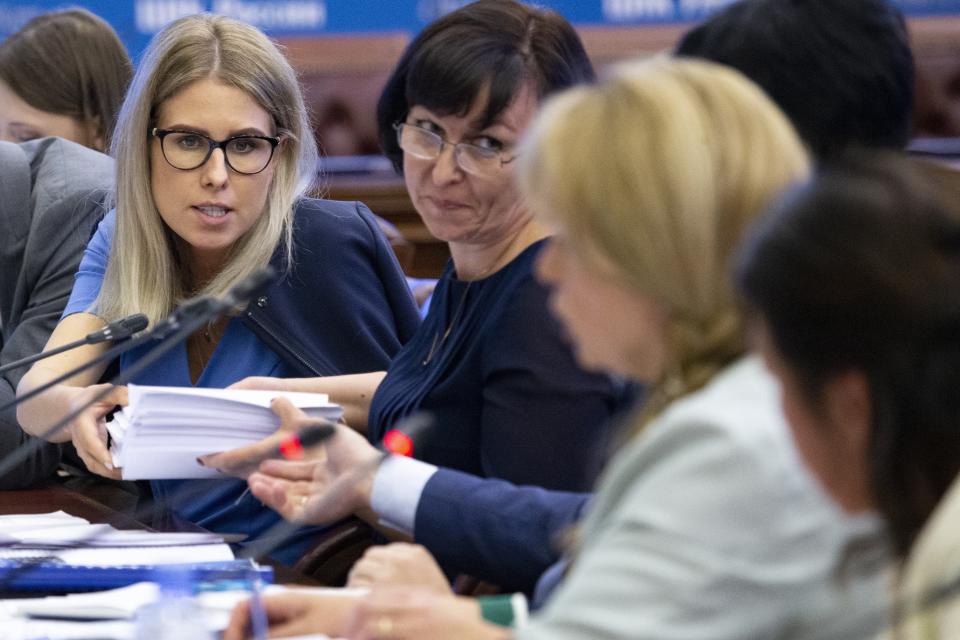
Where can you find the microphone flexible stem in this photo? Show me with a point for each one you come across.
(187, 327)
(161, 330)
(40, 356)
(106, 356)
(115, 331)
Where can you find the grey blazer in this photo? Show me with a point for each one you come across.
(707, 526)
(51, 196)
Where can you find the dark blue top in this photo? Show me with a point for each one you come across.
(509, 400)
(343, 308)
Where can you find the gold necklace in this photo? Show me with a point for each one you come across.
(439, 339)
(204, 344)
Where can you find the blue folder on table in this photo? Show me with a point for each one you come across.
(46, 575)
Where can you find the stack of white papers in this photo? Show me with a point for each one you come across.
(73, 540)
(60, 529)
(163, 430)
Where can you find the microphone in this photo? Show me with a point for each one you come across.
(113, 332)
(184, 321)
(177, 327)
(119, 330)
(204, 306)
(185, 312)
(292, 447)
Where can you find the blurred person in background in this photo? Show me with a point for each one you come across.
(841, 70)
(63, 74)
(52, 193)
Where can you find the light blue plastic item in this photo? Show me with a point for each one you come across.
(175, 615)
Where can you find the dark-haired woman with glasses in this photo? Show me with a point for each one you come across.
(489, 362)
(214, 158)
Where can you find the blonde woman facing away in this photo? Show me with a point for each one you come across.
(705, 524)
(214, 156)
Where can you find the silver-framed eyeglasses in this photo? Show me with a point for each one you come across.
(427, 145)
(188, 150)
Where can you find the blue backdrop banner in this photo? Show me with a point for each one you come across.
(137, 20)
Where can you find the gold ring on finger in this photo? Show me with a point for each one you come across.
(384, 626)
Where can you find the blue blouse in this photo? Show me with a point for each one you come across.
(509, 400)
(218, 505)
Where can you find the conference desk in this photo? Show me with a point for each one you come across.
(59, 498)
(56, 497)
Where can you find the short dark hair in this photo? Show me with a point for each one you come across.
(860, 270)
(70, 63)
(498, 44)
(841, 70)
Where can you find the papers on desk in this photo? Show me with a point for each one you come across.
(165, 429)
(59, 529)
(74, 541)
(114, 604)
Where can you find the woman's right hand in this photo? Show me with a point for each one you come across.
(88, 431)
(294, 614)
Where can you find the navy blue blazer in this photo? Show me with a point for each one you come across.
(492, 529)
(304, 324)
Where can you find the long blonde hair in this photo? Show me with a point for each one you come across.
(654, 175)
(144, 274)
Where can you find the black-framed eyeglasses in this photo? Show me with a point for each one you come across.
(427, 145)
(188, 150)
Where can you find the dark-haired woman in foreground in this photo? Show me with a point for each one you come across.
(854, 286)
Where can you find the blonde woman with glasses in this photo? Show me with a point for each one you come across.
(214, 161)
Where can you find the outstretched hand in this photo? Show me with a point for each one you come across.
(335, 482)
